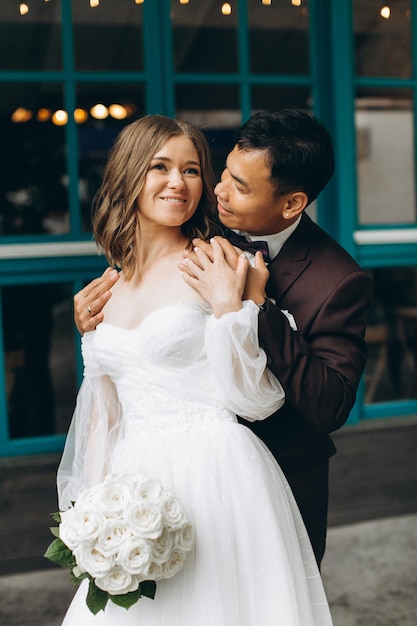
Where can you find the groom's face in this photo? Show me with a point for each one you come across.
(246, 198)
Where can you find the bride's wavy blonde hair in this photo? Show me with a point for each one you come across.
(115, 214)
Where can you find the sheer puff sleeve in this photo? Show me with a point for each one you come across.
(239, 365)
(93, 431)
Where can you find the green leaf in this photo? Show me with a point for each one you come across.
(148, 588)
(77, 579)
(58, 553)
(126, 600)
(56, 517)
(96, 598)
(54, 530)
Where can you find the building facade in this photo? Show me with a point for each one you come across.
(74, 72)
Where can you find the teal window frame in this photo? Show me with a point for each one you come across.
(333, 84)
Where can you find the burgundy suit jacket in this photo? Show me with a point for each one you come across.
(321, 363)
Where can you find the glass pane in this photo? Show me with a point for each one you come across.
(278, 37)
(216, 110)
(33, 181)
(382, 44)
(391, 372)
(103, 109)
(273, 98)
(39, 358)
(385, 156)
(31, 41)
(108, 37)
(204, 38)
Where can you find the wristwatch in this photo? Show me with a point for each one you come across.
(264, 306)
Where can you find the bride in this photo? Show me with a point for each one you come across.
(165, 376)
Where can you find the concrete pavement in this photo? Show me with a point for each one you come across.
(369, 572)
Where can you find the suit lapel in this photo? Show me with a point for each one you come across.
(292, 260)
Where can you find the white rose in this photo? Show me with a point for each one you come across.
(135, 557)
(155, 572)
(114, 535)
(113, 495)
(174, 512)
(184, 538)
(87, 497)
(117, 582)
(162, 547)
(93, 561)
(80, 525)
(174, 564)
(150, 490)
(145, 519)
(68, 531)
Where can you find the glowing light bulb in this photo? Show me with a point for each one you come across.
(267, 2)
(94, 3)
(385, 12)
(23, 8)
(184, 1)
(21, 115)
(60, 117)
(296, 3)
(226, 8)
(80, 116)
(43, 115)
(117, 111)
(99, 111)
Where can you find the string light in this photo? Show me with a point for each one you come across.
(118, 111)
(139, 1)
(43, 115)
(23, 8)
(267, 2)
(226, 8)
(296, 3)
(80, 116)
(94, 3)
(21, 115)
(385, 12)
(60, 117)
(99, 111)
(184, 1)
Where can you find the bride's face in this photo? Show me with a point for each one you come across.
(173, 184)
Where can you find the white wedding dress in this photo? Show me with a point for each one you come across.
(167, 394)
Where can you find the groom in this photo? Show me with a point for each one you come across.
(312, 318)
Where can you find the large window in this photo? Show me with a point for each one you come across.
(71, 76)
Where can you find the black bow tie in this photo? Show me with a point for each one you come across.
(249, 246)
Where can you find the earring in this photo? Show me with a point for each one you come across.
(286, 214)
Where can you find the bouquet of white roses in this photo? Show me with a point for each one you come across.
(123, 535)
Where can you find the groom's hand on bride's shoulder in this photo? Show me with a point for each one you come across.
(89, 301)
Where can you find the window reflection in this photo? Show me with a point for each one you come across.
(273, 98)
(382, 45)
(33, 182)
(39, 358)
(204, 40)
(391, 372)
(108, 37)
(278, 37)
(33, 41)
(385, 156)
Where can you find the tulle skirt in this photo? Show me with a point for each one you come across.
(252, 564)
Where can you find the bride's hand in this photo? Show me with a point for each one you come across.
(215, 280)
